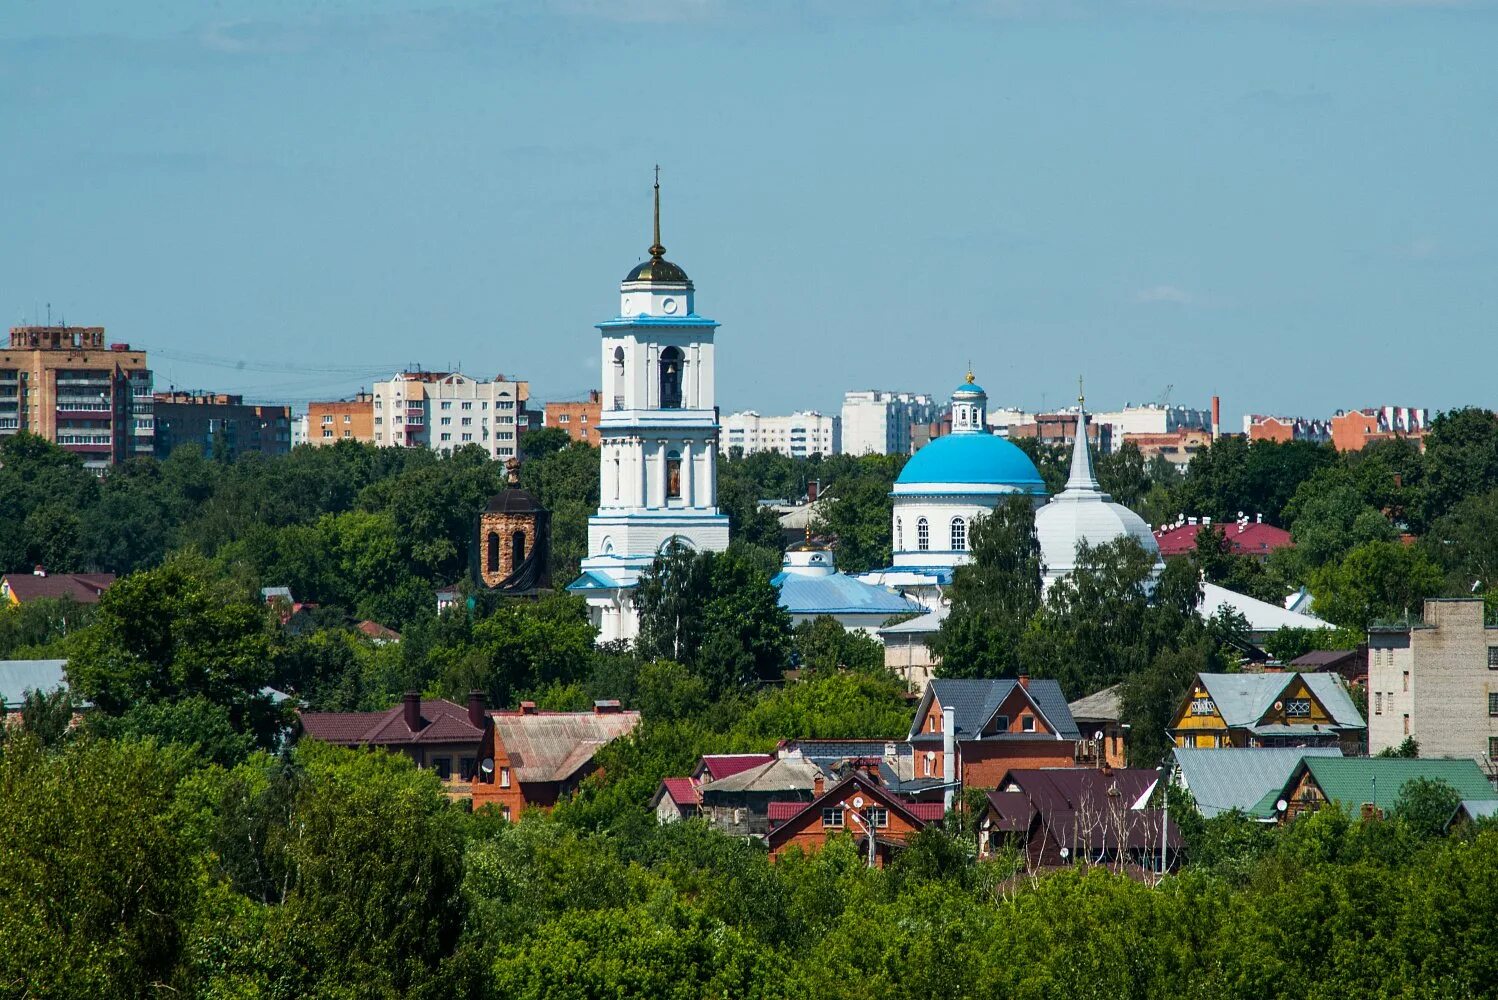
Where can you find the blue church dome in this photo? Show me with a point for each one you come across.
(980, 459)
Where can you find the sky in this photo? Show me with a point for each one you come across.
(1288, 203)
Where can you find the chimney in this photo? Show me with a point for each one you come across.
(39, 570)
(527, 708)
(411, 706)
(1216, 417)
(1024, 680)
(948, 754)
(813, 487)
(476, 708)
(609, 706)
(818, 785)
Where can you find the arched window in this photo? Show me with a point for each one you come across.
(671, 378)
(616, 480)
(899, 535)
(517, 550)
(922, 535)
(959, 535)
(618, 385)
(673, 475)
(491, 559)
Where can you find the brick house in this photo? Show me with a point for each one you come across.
(991, 726)
(856, 806)
(434, 732)
(530, 759)
(1063, 816)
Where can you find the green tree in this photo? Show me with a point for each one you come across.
(1465, 543)
(1373, 582)
(543, 442)
(195, 724)
(1426, 805)
(823, 645)
(1461, 459)
(994, 596)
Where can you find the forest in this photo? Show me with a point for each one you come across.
(181, 840)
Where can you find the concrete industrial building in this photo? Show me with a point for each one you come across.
(444, 411)
(66, 384)
(1437, 681)
(800, 434)
(220, 424)
(876, 422)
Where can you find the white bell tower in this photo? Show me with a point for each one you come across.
(658, 462)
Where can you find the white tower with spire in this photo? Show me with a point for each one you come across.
(1082, 512)
(658, 463)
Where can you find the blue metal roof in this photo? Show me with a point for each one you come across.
(968, 387)
(19, 676)
(973, 458)
(837, 594)
(593, 579)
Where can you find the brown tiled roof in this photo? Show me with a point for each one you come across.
(442, 722)
(553, 746)
(85, 588)
(377, 631)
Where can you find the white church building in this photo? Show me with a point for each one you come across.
(658, 439)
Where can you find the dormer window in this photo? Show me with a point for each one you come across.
(1027, 723)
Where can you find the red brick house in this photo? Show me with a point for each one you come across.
(997, 724)
(433, 732)
(856, 806)
(530, 759)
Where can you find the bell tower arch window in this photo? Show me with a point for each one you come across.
(671, 362)
(491, 556)
(618, 379)
(517, 550)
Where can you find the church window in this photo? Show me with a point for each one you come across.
(959, 535)
(616, 479)
(491, 561)
(517, 550)
(671, 362)
(922, 535)
(899, 533)
(673, 476)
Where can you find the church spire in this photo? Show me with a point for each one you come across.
(656, 250)
(1082, 477)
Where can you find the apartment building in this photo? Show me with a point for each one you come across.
(445, 411)
(876, 422)
(1436, 681)
(579, 418)
(220, 424)
(1354, 430)
(800, 434)
(341, 420)
(1154, 418)
(1258, 427)
(66, 384)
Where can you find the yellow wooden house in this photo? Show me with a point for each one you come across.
(1268, 710)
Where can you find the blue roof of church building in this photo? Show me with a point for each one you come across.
(973, 458)
(836, 594)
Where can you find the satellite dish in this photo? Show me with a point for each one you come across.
(1098, 735)
(858, 802)
(1279, 706)
(1281, 806)
(1065, 852)
(487, 765)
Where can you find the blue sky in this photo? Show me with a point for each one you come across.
(1286, 202)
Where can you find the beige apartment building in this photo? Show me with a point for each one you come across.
(68, 385)
(1436, 681)
(444, 411)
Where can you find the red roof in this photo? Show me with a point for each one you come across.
(683, 791)
(927, 812)
(441, 722)
(85, 588)
(1254, 539)
(723, 765)
(377, 631)
(779, 812)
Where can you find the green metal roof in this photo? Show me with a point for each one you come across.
(1355, 780)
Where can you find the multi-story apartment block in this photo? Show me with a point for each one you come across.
(1154, 418)
(1436, 681)
(1178, 447)
(341, 420)
(1258, 427)
(220, 424)
(1354, 430)
(876, 422)
(446, 410)
(66, 384)
(299, 430)
(578, 418)
(799, 435)
(1061, 429)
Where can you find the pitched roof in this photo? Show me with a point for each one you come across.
(1261, 615)
(836, 793)
(683, 792)
(85, 588)
(836, 594)
(1326, 659)
(1243, 699)
(1353, 781)
(1082, 807)
(553, 746)
(1237, 778)
(1106, 704)
(375, 630)
(975, 700)
(20, 676)
(925, 624)
(1256, 539)
(442, 722)
(786, 774)
(722, 765)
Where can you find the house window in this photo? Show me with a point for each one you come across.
(1493, 657)
(327, 432)
(505, 812)
(1298, 708)
(1493, 747)
(443, 766)
(1406, 680)
(1493, 704)
(922, 535)
(928, 762)
(327, 418)
(348, 418)
(959, 535)
(465, 768)
(1406, 725)
(832, 817)
(878, 817)
(504, 777)
(1027, 723)
(564, 419)
(1378, 703)
(1001, 723)
(447, 405)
